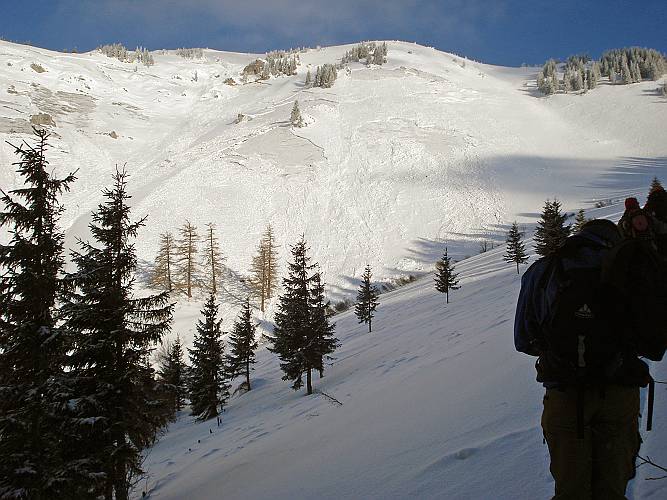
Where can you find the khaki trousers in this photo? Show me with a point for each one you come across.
(599, 466)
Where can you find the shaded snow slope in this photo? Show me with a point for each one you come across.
(394, 160)
(435, 403)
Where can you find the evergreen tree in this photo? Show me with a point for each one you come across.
(655, 185)
(242, 345)
(114, 333)
(213, 263)
(323, 341)
(32, 346)
(186, 257)
(309, 79)
(302, 335)
(367, 299)
(172, 372)
(295, 118)
(551, 230)
(516, 251)
(579, 221)
(208, 388)
(164, 262)
(445, 277)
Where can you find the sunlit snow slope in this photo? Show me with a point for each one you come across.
(435, 403)
(394, 160)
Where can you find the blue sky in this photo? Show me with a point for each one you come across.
(506, 32)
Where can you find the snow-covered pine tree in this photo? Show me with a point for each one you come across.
(186, 257)
(298, 336)
(164, 263)
(172, 373)
(551, 230)
(367, 299)
(579, 221)
(516, 251)
(32, 346)
(208, 388)
(445, 277)
(309, 79)
(323, 342)
(378, 56)
(213, 260)
(295, 117)
(242, 345)
(113, 335)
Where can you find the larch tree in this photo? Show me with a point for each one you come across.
(32, 345)
(516, 250)
(367, 297)
(213, 260)
(114, 334)
(186, 257)
(242, 345)
(656, 185)
(302, 335)
(551, 231)
(264, 281)
(164, 263)
(446, 279)
(208, 388)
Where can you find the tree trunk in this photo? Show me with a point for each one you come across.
(370, 328)
(309, 382)
(447, 294)
(517, 268)
(247, 374)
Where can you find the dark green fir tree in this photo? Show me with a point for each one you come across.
(113, 334)
(551, 230)
(172, 374)
(242, 345)
(516, 250)
(32, 346)
(367, 299)
(303, 335)
(208, 387)
(446, 278)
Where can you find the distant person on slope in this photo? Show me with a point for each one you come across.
(576, 313)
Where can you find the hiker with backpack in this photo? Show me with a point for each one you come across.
(588, 312)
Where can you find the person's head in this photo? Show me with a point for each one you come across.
(631, 204)
(603, 229)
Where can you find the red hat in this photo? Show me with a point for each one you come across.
(631, 204)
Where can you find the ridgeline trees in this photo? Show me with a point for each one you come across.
(242, 345)
(303, 336)
(112, 333)
(208, 388)
(32, 343)
(551, 230)
(446, 279)
(367, 299)
(186, 257)
(264, 274)
(164, 263)
(516, 251)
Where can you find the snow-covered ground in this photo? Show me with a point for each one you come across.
(395, 162)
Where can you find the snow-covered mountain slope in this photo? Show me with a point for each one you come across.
(435, 403)
(394, 162)
(395, 159)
